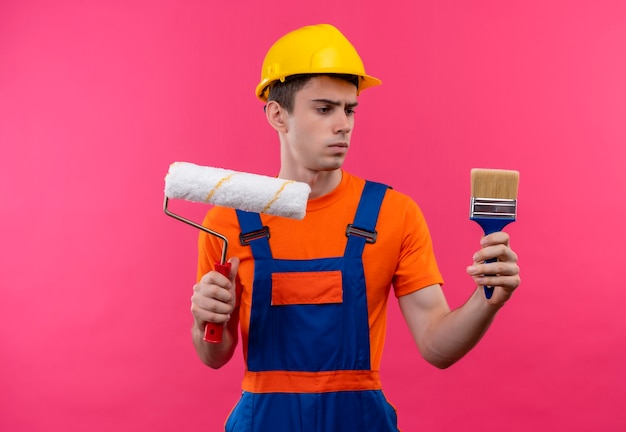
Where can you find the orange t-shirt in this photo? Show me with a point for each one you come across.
(402, 256)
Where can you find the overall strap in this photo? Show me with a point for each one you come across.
(253, 233)
(363, 229)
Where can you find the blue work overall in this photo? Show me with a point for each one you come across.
(320, 339)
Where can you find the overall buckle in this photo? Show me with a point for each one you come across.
(370, 236)
(246, 238)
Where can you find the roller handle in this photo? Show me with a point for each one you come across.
(213, 331)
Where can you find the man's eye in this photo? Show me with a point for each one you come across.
(323, 110)
(350, 111)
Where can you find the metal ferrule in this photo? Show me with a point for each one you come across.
(493, 208)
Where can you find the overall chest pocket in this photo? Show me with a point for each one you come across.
(307, 320)
(307, 288)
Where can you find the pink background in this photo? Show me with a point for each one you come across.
(97, 98)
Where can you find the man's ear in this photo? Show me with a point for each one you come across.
(276, 116)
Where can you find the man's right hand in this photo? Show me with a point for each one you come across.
(214, 297)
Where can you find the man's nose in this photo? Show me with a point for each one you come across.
(343, 122)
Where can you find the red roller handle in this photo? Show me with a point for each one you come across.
(213, 331)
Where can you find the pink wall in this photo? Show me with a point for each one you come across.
(97, 98)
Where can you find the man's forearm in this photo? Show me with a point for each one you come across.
(215, 355)
(456, 333)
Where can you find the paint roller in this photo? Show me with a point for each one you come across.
(226, 188)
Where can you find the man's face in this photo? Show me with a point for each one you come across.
(320, 125)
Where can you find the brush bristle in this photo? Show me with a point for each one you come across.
(494, 183)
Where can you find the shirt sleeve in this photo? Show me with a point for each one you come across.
(417, 265)
(209, 247)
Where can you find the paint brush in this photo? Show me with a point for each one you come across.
(494, 202)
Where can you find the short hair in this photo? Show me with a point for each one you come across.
(284, 92)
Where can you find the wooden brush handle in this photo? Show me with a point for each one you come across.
(213, 331)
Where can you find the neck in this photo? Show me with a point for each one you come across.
(321, 182)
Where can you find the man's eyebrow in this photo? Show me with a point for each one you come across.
(335, 103)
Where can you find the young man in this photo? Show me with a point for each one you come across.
(310, 296)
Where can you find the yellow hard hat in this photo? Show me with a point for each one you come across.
(311, 50)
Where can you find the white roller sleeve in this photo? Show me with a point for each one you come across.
(226, 188)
